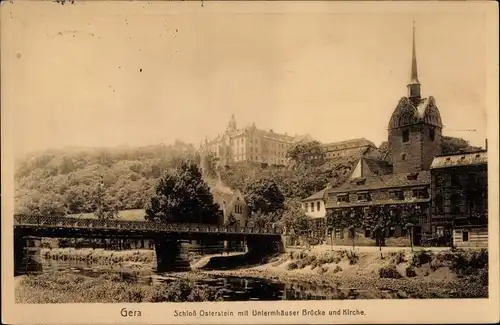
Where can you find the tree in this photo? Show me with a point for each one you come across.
(182, 196)
(453, 145)
(231, 221)
(264, 197)
(310, 152)
(104, 210)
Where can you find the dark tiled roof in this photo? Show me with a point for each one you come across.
(460, 159)
(316, 196)
(378, 167)
(384, 181)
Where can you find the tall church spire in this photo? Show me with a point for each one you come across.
(414, 85)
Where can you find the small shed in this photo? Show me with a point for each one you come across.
(470, 236)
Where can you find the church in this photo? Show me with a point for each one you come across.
(393, 190)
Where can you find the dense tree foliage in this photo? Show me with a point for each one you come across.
(306, 153)
(66, 180)
(183, 196)
(454, 145)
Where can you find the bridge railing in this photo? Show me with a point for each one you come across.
(68, 222)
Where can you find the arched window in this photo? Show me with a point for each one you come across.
(406, 135)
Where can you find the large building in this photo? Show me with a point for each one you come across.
(251, 144)
(460, 198)
(348, 148)
(398, 187)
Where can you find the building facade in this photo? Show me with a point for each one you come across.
(393, 192)
(251, 144)
(232, 205)
(348, 148)
(460, 198)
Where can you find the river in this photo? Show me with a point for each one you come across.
(232, 288)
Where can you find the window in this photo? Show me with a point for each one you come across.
(367, 233)
(420, 193)
(312, 206)
(306, 207)
(455, 201)
(432, 134)
(318, 204)
(363, 196)
(403, 156)
(406, 135)
(342, 198)
(465, 236)
(438, 203)
(439, 231)
(397, 195)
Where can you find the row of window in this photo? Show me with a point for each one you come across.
(238, 209)
(394, 195)
(312, 204)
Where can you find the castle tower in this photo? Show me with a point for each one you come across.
(415, 127)
(231, 127)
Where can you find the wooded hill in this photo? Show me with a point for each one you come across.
(66, 181)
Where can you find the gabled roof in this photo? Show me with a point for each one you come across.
(317, 196)
(460, 159)
(378, 166)
(384, 181)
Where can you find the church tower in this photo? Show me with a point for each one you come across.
(415, 127)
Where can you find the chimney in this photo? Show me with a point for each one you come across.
(486, 144)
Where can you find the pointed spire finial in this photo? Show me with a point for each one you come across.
(414, 70)
(414, 85)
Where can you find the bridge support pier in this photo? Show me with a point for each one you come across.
(170, 256)
(262, 246)
(27, 257)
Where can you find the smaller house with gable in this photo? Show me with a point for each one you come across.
(231, 202)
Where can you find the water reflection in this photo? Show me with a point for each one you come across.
(230, 288)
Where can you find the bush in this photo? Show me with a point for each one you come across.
(435, 264)
(322, 269)
(352, 257)
(420, 258)
(397, 257)
(389, 272)
(337, 269)
(291, 266)
(410, 271)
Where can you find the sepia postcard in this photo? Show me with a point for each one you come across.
(219, 162)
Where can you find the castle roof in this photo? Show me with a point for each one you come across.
(348, 144)
(378, 166)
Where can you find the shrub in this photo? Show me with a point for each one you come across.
(337, 269)
(322, 269)
(397, 257)
(291, 266)
(352, 257)
(420, 258)
(389, 272)
(435, 264)
(410, 271)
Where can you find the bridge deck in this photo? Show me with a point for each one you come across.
(75, 224)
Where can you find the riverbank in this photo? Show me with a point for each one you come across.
(418, 274)
(106, 288)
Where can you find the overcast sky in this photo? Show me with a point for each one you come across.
(104, 74)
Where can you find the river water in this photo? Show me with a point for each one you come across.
(232, 288)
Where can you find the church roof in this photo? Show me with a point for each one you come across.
(384, 181)
(409, 112)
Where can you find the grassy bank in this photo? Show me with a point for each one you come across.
(108, 288)
(100, 256)
(420, 274)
